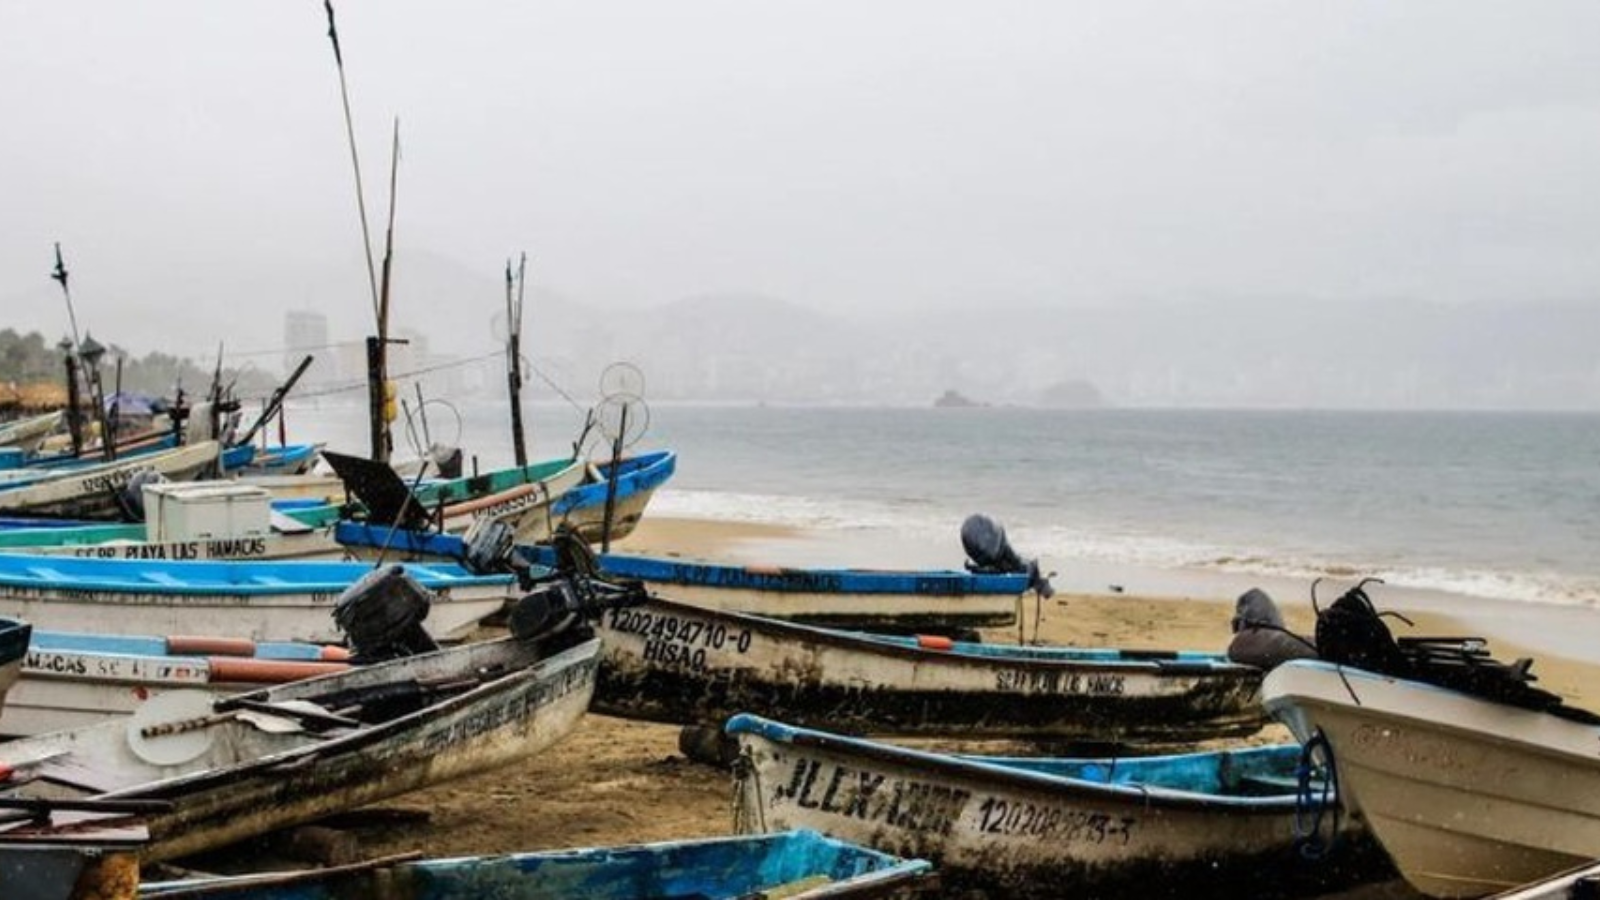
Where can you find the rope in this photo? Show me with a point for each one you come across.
(1317, 806)
(744, 770)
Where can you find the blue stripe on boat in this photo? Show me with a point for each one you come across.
(635, 475)
(843, 581)
(148, 645)
(1222, 777)
(208, 577)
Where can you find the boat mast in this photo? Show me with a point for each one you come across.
(514, 358)
(379, 394)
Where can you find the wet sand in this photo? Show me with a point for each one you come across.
(615, 781)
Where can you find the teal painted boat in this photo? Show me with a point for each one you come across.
(454, 503)
(798, 865)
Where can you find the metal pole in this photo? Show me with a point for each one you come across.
(375, 399)
(611, 480)
(74, 404)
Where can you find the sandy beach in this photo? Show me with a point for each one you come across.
(616, 781)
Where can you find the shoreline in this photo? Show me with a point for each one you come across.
(1559, 638)
(614, 781)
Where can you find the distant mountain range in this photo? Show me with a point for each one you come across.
(742, 346)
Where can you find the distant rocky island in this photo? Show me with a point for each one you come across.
(955, 400)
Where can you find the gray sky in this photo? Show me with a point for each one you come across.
(848, 156)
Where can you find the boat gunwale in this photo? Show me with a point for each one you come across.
(1021, 780)
(1213, 667)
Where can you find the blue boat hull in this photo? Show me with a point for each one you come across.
(704, 870)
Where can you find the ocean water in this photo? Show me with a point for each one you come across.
(1494, 505)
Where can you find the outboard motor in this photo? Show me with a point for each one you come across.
(1260, 637)
(446, 459)
(487, 545)
(573, 593)
(382, 616)
(989, 553)
(130, 497)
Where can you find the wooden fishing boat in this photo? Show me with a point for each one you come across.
(263, 601)
(1581, 883)
(454, 504)
(14, 638)
(1468, 795)
(95, 492)
(670, 662)
(292, 531)
(798, 865)
(1006, 827)
(256, 762)
(26, 434)
(935, 601)
(282, 460)
(619, 496)
(73, 679)
(232, 458)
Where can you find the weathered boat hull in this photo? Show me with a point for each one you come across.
(670, 662)
(932, 602)
(1005, 831)
(1467, 796)
(528, 700)
(583, 508)
(74, 680)
(27, 434)
(795, 865)
(1582, 883)
(306, 533)
(263, 601)
(93, 492)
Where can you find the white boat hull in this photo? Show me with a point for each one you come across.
(1581, 883)
(844, 609)
(1468, 796)
(538, 524)
(1011, 835)
(240, 781)
(92, 492)
(671, 662)
(315, 544)
(292, 615)
(27, 434)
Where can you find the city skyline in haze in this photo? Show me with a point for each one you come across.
(869, 163)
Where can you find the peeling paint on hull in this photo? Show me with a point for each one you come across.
(670, 662)
(798, 865)
(250, 782)
(1020, 835)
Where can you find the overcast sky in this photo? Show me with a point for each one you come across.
(847, 156)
